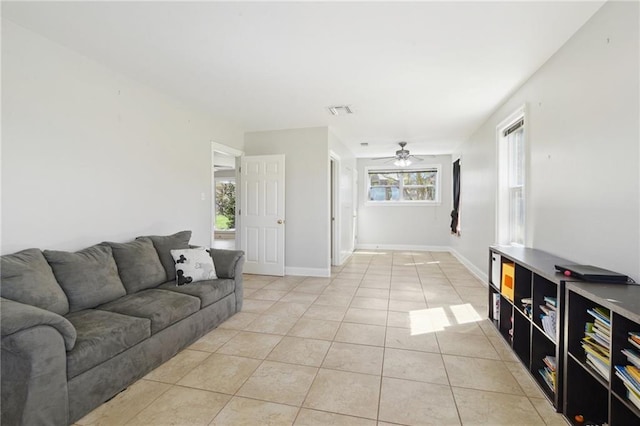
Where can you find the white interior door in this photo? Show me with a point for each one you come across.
(262, 214)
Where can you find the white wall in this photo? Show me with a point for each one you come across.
(306, 194)
(401, 226)
(583, 139)
(347, 196)
(89, 155)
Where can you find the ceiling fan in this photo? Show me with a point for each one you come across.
(402, 157)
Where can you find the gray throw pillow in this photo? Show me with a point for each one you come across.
(138, 263)
(27, 278)
(164, 245)
(88, 277)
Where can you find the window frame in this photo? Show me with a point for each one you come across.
(507, 189)
(394, 169)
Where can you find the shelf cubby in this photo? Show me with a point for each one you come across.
(592, 404)
(586, 391)
(534, 278)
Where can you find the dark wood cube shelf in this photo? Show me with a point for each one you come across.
(578, 388)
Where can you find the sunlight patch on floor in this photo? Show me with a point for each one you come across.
(430, 320)
(465, 313)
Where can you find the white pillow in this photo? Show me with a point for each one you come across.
(193, 265)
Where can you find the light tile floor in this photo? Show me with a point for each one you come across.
(391, 338)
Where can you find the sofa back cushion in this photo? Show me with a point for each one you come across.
(88, 277)
(27, 278)
(164, 245)
(138, 264)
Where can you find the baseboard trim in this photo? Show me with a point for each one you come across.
(344, 256)
(400, 247)
(480, 274)
(307, 272)
(470, 266)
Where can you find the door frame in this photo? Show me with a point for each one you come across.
(334, 209)
(232, 152)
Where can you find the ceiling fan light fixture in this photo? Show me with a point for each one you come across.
(401, 162)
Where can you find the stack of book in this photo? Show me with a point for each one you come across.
(548, 316)
(526, 306)
(548, 373)
(511, 331)
(597, 341)
(630, 374)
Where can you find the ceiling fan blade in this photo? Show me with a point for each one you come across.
(382, 158)
(413, 157)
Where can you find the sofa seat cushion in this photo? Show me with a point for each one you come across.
(101, 336)
(162, 307)
(209, 291)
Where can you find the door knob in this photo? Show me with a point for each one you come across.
(279, 221)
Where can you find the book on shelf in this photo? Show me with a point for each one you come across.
(549, 377)
(551, 301)
(634, 339)
(602, 329)
(601, 314)
(596, 351)
(549, 324)
(599, 339)
(632, 356)
(526, 306)
(634, 372)
(628, 378)
(550, 362)
(598, 366)
(633, 397)
(546, 309)
(496, 306)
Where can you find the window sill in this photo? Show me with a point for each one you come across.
(403, 203)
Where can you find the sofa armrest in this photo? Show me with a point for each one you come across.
(226, 261)
(33, 365)
(16, 316)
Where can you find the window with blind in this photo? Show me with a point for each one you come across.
(511, 163)
(402, 186)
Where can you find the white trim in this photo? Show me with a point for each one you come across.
(479, 273)
(518, 114)
(307, 272)
(400, 247)
(224, 149)
(334, 225)
(470, 266)
(344, 256)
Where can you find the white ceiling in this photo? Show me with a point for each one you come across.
(429, 73)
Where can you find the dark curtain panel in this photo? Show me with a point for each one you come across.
(456, 197)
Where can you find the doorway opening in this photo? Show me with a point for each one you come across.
(224, 212)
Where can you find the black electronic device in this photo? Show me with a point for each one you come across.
(592, 273)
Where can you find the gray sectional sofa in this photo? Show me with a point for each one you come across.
(77, 328)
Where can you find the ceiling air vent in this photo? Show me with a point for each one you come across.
(340, 110)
